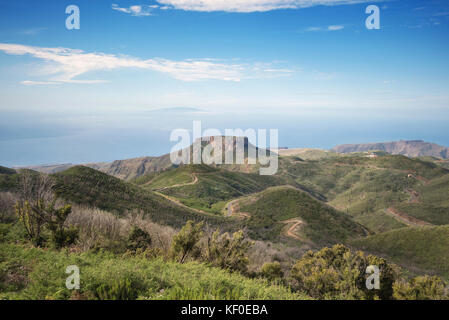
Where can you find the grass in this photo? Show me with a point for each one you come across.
(364, 187)
(323, 224)
(422, 249)
(30, 273)
(433, 205)
(214, 187)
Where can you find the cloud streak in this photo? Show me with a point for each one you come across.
(329, 28)
(136, 10)
(335, 28)
(65, 65)
(251, 5)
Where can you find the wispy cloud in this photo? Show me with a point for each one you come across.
(313, 29)
(441, 14)
(329, 28)
(252, 5)
(32, 31)
(335, 28)
(136, 10)
(64, 65)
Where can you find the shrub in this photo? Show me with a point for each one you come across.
(272, 271)
(7, 201)
(339, 273)
(138, 239)
(186, 241)
(228, 252)
(56, 221)
(421, 288)
(119, 289)
(32, 220)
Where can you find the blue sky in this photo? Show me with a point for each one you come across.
(308, 68)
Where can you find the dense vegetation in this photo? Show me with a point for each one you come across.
(167, 235)
(30, 273)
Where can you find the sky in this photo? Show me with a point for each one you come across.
(135, 70)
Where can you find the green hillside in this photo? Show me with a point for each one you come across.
(432, 202)
(9, 179)
(4, 170)
(40, 274)
(365, 187)
(421, 249)
(173, 176)
(213, 186)
(321, 223)
(87, 186)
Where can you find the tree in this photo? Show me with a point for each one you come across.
(35, 191)
(7, 201)
(228, 252)
(56, 218)
(185, 241)
(37, 208)
(138, 239)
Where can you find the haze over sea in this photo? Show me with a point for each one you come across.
(88, 139)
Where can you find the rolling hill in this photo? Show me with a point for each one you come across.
(366, 187)
(419, 249)
(87, 186)
(208, 188)
(271, 210)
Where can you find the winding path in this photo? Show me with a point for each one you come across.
(194, 181)
(233, 209)
(406, 219)
(290, 231)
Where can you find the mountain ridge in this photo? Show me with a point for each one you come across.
(409, 148)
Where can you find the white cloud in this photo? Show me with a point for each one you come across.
(335, 28)
(37, 83)
(329, 28)
(64, 65)
(252, 5)
(136, 10)
(312, 29)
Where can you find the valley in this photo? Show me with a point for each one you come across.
(392, 206)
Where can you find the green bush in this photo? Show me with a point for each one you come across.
(185, 242)
(228, 252)
(109, 276)
(339, 273)
(119, 289)
(272, 271)
(138, 239)
(421, 288)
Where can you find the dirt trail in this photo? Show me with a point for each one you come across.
(414, 196)
(405, 218)
(233, 209)
(422, 179)
(194, 181)
(179, 203)
(294, 223)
